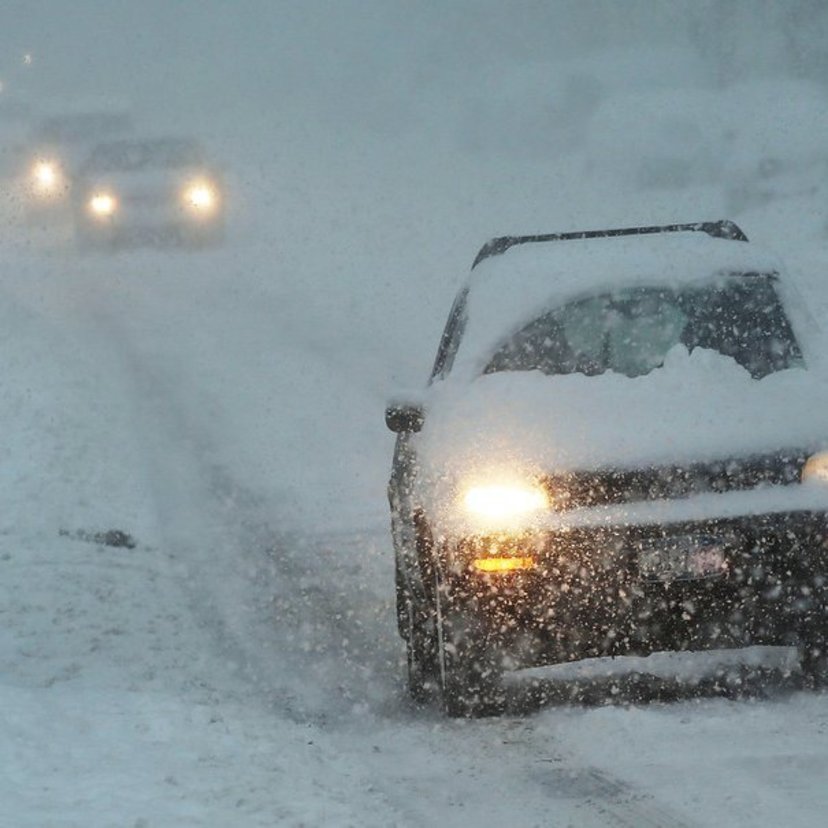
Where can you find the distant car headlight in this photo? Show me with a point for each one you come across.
(103, 205)
(816, 468)
(201, 196)
(46, 177)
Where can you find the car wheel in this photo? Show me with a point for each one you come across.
(421, 654)
(470, 668)
(417, 626)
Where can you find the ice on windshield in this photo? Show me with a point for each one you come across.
(631, 331)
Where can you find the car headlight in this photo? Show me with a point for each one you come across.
(499, 527)
(46, 177)
(816, 468)
(504, 502)
(103, 205)
(201, 196)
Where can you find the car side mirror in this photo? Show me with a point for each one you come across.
(400, 417)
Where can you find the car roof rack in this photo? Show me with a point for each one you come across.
(724, 229)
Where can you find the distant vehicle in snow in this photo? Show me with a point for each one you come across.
(150, 191)
(621, 450)
(55, 148)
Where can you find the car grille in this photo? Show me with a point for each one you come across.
(575, 490)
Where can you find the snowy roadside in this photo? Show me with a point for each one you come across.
(118, 706)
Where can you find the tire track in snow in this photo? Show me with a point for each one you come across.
(609, 797)
(601, 797)
(228, 577)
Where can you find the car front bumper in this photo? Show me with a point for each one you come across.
(588, 593)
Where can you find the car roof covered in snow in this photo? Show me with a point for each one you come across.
(510, 289)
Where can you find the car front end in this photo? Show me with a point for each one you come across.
(614, 468)
(127, 210)
(703, 563)
(157, 191)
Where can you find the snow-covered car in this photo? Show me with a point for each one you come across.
(160, 190)
(621, 450)
(55, 149)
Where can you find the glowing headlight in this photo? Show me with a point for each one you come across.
(200, 196)
(103, 204)
(816, 468)
(46, 177)
(504, 502)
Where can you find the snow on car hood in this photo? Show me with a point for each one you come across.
(698, 406)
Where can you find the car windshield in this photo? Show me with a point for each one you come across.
(630, 331)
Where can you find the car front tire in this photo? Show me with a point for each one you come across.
(421, 653)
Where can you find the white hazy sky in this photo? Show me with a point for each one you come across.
(344, 58)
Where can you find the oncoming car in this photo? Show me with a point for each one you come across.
(149, 191)
(621, 450)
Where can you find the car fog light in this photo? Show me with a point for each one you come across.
(816, 468)
(500, 565)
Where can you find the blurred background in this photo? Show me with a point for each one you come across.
(364, 151)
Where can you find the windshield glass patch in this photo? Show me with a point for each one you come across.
(630, 331)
